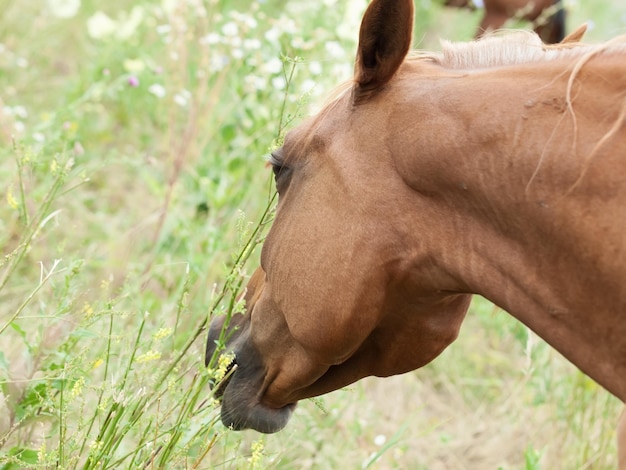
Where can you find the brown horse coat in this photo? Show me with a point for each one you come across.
(497, 167)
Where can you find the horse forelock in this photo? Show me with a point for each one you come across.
(511, 48)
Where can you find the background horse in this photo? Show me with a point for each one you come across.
(547, 16)
(495, 168)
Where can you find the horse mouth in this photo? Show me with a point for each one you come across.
(242, 411)
(220, 387)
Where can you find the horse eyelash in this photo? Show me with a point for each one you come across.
(274, 160)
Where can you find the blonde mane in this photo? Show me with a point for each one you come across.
(511, 48)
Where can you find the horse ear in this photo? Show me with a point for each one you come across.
(384, 41)
(576, 35)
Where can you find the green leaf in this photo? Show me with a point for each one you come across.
(228, 132)
(83, 333)
(18, 457)
(19, 330)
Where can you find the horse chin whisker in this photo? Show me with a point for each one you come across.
(229, 420)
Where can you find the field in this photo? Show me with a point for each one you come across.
(135, 194)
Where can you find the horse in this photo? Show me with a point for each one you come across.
(547, 16)
(496, 167)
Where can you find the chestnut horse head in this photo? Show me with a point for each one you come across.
(497, 167)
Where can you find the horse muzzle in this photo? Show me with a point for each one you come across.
(239, 385)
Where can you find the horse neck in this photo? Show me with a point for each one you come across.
(522, 196)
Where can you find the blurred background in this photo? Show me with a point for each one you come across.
(133, 141)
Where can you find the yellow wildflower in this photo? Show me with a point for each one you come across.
(257, 453)
(162, 334)
(134, 65)
(77, 389)
(41, 453)
(222, 366)
(104, 404)
(11, 199)
(87, 310)
(95, 446)
(171, 384)
(149, 356)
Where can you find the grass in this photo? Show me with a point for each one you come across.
(132, 155)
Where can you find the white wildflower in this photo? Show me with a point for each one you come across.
(335, 50)
(100, 25)
(20, 111)
(288, 25)
(341, 71)
(211, 38)
(163, 29)
(273, 34)
(217, 62)
(182, 98)
(308, 85)
(129, 24)
(273, 66)
(315, 67)
(252, 44)
(64, 8)
(250, 22)
(254, 83)
(235, 41)
(352, 18)
(169, 6)
(299, 42)
(230, 29)
(157, 90)
(279, 83)
(380, 440)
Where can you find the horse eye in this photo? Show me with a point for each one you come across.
(277, 169)
(277, 166)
